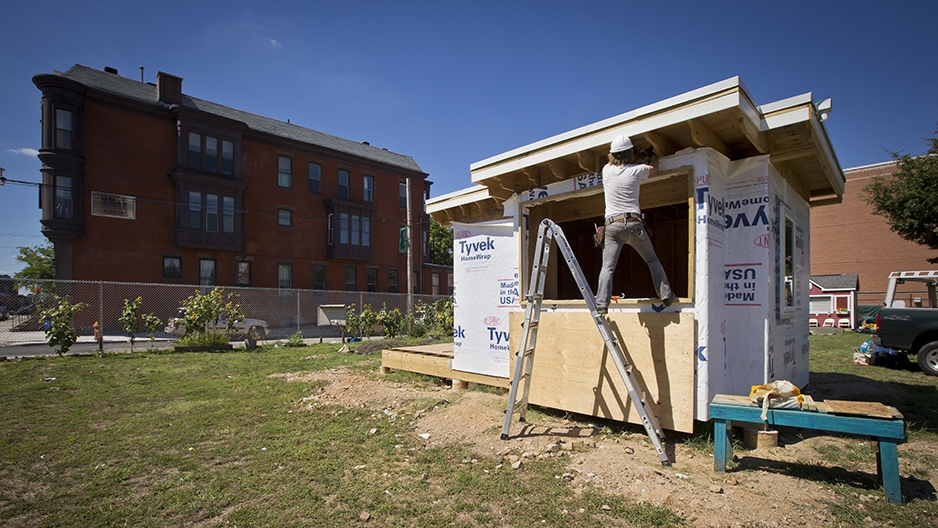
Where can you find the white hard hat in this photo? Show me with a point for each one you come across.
(620, 143)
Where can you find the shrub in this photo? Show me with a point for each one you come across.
(391, 320)
(57, 321)
(296, 340)
(204, 310)
(151, 325)
(352, 321)
(366, 320)
(129, 320)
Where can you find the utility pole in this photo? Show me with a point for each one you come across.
(410, 252)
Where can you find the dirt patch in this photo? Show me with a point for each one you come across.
(789, 485)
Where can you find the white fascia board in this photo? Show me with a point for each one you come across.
(591, 136)
(677, 100)
(837, 179)
(797, 100)
(749, 108)
(454, 194)
(464, 197)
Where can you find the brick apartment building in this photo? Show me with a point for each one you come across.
(848, 238)
(142, 183)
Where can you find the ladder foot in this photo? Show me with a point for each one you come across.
(504, 436)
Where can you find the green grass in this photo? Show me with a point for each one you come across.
(168, 439)
(834, 375)
(157, 439)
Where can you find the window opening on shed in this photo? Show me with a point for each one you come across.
(667, 204)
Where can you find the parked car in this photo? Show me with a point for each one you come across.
(4, 313)
(912, 330)
(176, 325)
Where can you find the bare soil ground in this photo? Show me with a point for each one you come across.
(760, 491)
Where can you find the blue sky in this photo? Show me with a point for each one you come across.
(452, 83)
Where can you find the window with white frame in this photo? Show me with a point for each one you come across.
(63, 197)
(284, 217)
(207, 272)
(227, 157)
(63, 129)
(211, 213)
(789, 263)
(284, 276)
(343, 184)
(243, 273)
(284, 172)
(821, 304)
(172, 267)
(195, 210)
(315, 178)
(368, 194)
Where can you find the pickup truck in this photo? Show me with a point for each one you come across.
(911, 329)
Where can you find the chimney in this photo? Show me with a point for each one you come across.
(112, 71)
(169, 88)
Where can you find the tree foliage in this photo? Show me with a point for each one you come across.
(57, 322)
(39, 260)
(441, 244)
(908, 198)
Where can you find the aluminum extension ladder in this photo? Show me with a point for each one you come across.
(547, 231)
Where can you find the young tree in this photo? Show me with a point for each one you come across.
(39, 260)
(57, 322)
(441, 244)
(908, 198)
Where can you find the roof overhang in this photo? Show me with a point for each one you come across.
(722, 116)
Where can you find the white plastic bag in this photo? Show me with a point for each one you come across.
(780, 394)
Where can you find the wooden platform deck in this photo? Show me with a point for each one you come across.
(434, 360)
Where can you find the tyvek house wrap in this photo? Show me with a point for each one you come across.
(744, 336)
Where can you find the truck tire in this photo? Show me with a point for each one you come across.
(928, 358)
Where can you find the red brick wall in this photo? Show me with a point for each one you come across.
(131, 153)
(848, 238)
(126, 153)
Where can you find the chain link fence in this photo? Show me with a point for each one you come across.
(284, 312)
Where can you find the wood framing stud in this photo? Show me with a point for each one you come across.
(663, 145)
(533, 175)
(703, 136)
(753, 135)
(587, 160)
(788, 155)
(562, 169)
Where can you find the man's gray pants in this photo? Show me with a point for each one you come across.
(632, 233)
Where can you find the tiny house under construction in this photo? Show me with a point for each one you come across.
(729, 213)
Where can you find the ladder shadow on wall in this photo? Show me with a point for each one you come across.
(608, 371)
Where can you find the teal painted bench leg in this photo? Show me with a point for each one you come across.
(888, 465)
(722, 444)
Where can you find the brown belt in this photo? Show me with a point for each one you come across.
(626, 217)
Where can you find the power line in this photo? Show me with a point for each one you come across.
(162, 201)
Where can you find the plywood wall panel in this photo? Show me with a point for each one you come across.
(572, 371)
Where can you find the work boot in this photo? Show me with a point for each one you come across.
(602, 310)
(669, 300)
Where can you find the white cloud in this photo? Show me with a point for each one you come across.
(24, 151)
(274, 43)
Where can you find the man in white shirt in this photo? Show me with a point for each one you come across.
(624, 223)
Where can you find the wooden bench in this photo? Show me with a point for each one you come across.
(884, 432)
